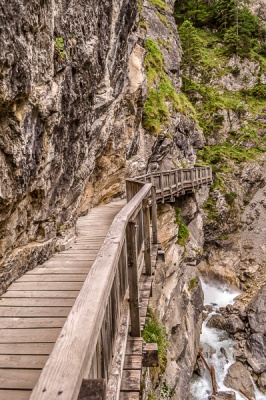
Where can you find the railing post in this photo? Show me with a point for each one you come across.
(154, 215)
(147, 237)
(162, 187)
(133, 278)
(182, 179)
(129, 190)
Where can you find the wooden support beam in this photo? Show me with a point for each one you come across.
(150, 357)
(154, 215)
(162, 187)
(92, 389)
(133, 278)
(147, 237)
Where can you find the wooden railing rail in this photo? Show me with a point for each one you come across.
(170, 184)
(84, 348)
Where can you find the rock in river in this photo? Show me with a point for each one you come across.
(238, 378)
(216, 321)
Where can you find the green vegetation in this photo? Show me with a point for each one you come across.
(154, 332)
(157, 112)
(191, 48)
(160, 4)
(183, 232)
(192, 284)
(59, 47)
(223, 237)
(167, 393)
(236, 26)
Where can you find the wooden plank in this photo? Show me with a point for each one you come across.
(147, 237)
(129, 396)
(133, 278)
(42, 335)
(34, 312)
(67, 263)
(48, 322)
(48, 294)
(43, 286)
(15, 394)
(150, 356)
(86, 316)
(134, 347)
(32, 302)
(93, 389)
(18, 378)
(133, 362)
(59, 270)
(52, 278)
(131, 381)
(22, 361)
(154, 216)
(26, 348)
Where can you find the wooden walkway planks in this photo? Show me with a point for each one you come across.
(35, 307)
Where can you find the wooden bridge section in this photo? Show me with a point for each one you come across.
(73, 325)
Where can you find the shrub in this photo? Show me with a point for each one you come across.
(230, 198)
(183, 231)
(154, 332)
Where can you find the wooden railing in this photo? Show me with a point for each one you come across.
(85, 346)
(170, 184)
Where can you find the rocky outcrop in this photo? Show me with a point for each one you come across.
(179, 141)
(239, 378)
(178, 297)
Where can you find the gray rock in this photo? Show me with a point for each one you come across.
(239, 378)
(262, 382)
(234, 324)
(223, 396)
(256, 346)
(257, 312)
(216, 321)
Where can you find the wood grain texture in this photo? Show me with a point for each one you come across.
(14, 394)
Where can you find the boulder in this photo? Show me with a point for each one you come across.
(208, 308)
(262, 382)
(223, 396)
(216, 321)
(257, 312)
(256, 346)
(234, 324)
(239, 378)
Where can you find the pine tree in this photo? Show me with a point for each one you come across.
(191, 48)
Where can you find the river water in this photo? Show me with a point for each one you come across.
(215, 339)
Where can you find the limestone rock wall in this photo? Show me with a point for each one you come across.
(63, 119)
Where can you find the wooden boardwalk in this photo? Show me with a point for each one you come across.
(59, 322)
(35, 307)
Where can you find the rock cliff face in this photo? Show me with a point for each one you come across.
(68, 125)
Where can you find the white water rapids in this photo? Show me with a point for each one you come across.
(215, 339)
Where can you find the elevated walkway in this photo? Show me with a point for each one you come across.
(62, 323)
(35, 307)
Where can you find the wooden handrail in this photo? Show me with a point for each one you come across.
(71, 358)
(177, 181)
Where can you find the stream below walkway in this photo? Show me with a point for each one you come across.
(213, 340)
